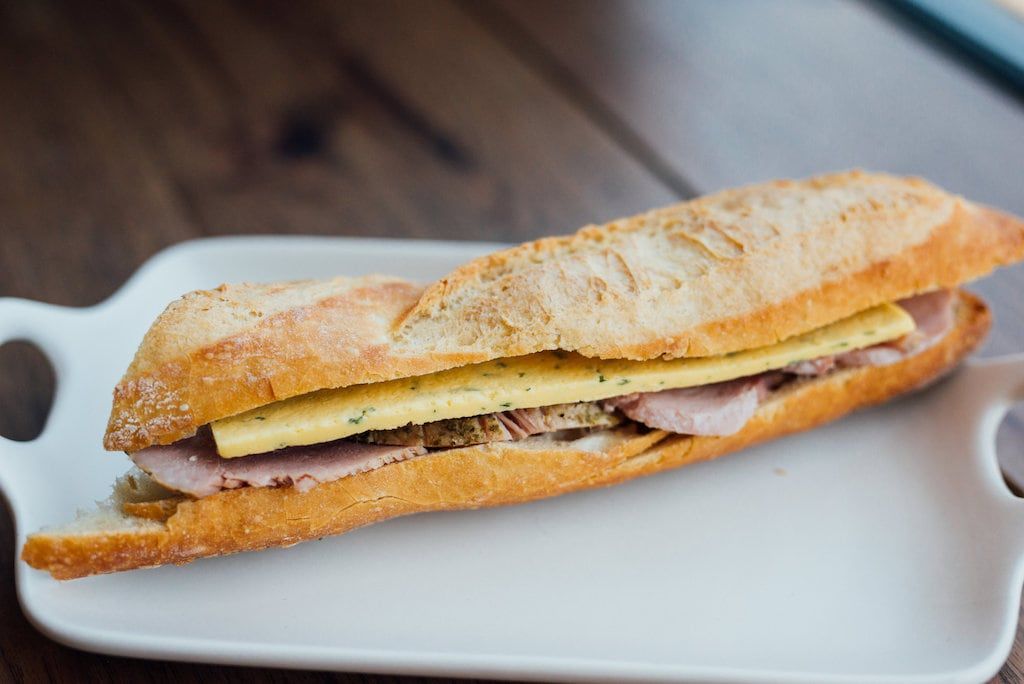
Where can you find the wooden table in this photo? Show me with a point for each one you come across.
(127, 127)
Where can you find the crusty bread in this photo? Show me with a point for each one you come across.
(735, 270)
(214, 353)
(470, 477)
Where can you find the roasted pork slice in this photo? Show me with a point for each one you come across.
(497, 427)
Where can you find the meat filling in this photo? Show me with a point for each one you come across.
(192, 466)
(719, 409)
(497, 427)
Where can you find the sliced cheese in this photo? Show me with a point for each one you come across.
(540, 379)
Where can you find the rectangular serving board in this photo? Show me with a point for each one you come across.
(884, 547)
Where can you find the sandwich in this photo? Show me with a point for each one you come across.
(264, 415)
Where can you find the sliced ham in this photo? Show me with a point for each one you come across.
(193, 467)
(878, 355)
(719, 409)
(724, 408)
(933, 315)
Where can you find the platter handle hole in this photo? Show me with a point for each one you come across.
(1010, 448)
(27, 383)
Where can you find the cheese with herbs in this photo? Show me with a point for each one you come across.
(541, 379)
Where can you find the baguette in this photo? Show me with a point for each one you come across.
(736, 270)
(470, 477)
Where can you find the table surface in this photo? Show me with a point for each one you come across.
(128, 127)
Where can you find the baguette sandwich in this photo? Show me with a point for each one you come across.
(267, 415)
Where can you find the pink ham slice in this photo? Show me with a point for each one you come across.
(933, 315)
(724, 408)
(193, 467)
(719, 409)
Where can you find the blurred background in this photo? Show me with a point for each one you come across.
(129, 126)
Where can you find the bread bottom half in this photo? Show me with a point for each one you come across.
(472, 477)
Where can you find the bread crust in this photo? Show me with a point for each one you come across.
(487, 475)
(215, 353)
(736, 270)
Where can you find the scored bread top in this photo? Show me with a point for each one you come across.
(215, 353)
(735, 270)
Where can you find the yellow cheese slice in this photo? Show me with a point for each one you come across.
(540, 379)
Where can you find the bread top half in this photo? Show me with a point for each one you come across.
(735, 270)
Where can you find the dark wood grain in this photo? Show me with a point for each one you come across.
(355, 118)
(129, 126)
(745, 90)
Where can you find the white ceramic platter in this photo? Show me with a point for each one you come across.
(881, 548)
